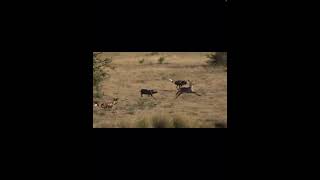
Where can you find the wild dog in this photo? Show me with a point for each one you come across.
(179, 83)
(106, 105)
(186, 90)
(96, 103)
(148, 92)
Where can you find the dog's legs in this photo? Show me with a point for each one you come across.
(152, 96)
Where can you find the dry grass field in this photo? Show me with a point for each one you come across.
(136, 70)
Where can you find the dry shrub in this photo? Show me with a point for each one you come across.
(161, 121)
(219, 124)
(141, 61)
(166, 121)
(161, 60)
(183, 122)
(153, 54)
(144, 103)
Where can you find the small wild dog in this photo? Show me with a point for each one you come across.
(186, 90)
(148, 92)
(179, 83)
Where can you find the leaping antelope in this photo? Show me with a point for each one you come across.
(186, 90)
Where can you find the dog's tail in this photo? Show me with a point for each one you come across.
(171, 80)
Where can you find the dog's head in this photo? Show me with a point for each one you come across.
(154, 91)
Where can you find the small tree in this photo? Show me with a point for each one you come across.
(98, 72)
(161, 60)
(141, 61)
(217, 58)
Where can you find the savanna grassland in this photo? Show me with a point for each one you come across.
(132, 71)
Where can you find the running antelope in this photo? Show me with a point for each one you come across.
(186, 90)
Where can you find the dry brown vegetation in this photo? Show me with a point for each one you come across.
(130, 74)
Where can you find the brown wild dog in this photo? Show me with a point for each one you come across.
(148, 92)
(106, 105)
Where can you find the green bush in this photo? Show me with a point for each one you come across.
(141, 61)
(161, 60)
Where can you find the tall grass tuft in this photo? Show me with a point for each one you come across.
(165, 121)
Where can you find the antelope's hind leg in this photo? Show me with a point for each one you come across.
(178, 94)
(196, 93)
